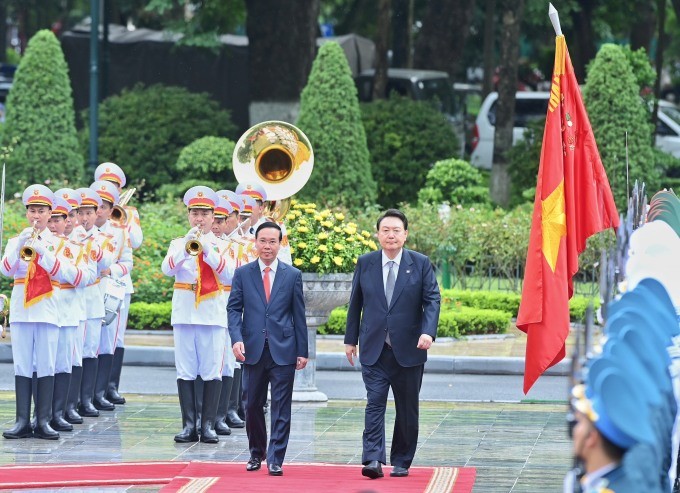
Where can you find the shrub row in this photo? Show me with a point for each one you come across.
(463, 313)
(452, 323)
(508, 302)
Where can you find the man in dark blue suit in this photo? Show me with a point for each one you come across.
(268, 331)
(393, 315)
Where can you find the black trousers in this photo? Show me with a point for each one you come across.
(256, 379)
(405, 383)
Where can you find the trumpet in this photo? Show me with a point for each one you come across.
(118, 214)
(27, 252)
(193, 247)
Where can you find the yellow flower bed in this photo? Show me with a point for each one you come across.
(321, 241)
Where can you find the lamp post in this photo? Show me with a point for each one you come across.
(94, 82)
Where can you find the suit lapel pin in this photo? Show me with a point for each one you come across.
(408, 271)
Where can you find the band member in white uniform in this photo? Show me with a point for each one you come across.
(69, 299)
(116, 285)
(220, 227)
(83, 261)
(235, 411)
(31, 260)
(199, 313)
(111, 172)
(100, 250)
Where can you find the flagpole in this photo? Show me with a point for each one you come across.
(555, 19)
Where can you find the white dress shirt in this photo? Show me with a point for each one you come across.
(272, 273)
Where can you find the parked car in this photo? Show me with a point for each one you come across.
(531, 106)
(419, 85)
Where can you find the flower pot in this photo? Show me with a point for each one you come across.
(323, 293)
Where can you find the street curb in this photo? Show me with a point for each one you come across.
(473, 365)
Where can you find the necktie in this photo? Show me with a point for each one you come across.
(267, 285)
(389, 291)
(389, 285)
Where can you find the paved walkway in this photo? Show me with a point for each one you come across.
(515, 447)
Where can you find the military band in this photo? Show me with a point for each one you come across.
(72, 291)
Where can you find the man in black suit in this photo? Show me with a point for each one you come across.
(393, 315)
(268, 330)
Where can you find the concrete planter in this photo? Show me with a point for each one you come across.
(323, 293)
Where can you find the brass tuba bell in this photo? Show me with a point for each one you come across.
(278, 156)
(118, 214)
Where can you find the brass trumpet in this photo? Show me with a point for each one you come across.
(118, 214)
(27, 252)
(193, 247)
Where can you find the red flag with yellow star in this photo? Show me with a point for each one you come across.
(573, 201)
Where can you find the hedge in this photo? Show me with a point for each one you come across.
(150, 316)
(463, 313)
(508, 302)
(452, 323)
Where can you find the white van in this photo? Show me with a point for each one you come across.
(534, 106)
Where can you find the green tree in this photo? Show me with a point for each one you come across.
(331, 118)
(455, 181)
(40, 120)
(145, 128)
(204, 157)
(614, 105)
(405, 138)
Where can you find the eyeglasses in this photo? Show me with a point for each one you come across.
(264, 242)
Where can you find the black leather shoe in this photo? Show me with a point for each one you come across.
(253, 464)
(275, 470)
(399, 472)
(372, 470)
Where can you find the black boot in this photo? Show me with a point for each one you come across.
(71, 415)
(44, 411)
(198, 390)
(114, 380)
(61, 385)
(233, 418)
(187, 403)
(221, 426)
(211, 396)
(102, 383)
(34, 392)
(85, 408)
(22, 427)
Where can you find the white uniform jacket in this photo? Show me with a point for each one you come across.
(121, 268)
(134, 228)
(47, 309)
(181, 265)
(71, 297)
(100, 250)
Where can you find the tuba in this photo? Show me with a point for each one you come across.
(278, 156)
(118, 214)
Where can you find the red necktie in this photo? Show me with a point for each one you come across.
(267, 285)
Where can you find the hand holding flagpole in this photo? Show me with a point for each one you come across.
(555, 19)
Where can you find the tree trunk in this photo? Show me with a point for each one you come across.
(511, 12)
(446, 25)
(584, 37)
(489, 47)
(644, 25)
(661, 35)
(401, 33)
(381, 47)
(282, 40)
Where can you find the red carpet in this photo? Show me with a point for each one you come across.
(199, 477)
